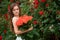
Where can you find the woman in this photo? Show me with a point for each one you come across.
(15, 13)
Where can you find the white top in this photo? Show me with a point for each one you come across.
(14, 19)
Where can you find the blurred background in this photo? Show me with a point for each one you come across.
(46, 18)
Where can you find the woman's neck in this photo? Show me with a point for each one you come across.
(16, 16)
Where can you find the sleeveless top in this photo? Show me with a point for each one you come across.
(14, 19)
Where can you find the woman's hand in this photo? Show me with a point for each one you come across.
(31, 28)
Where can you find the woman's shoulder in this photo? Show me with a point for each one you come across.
(14, 19)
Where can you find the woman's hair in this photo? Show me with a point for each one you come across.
(11, 14)
(11, 9)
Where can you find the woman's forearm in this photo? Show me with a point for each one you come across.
(25, 31)
(21, 32)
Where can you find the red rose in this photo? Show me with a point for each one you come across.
(35, 22)
(47, 5)
(41, 12)
(6, 16)
(43, 1)
(19, 22)
(35, 6)
(9, 7)
(5, 31)
(36, 3)
(0, 37)
(30, 17)
(23, 19)
(26, 18)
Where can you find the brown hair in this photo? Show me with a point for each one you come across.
(11, 14)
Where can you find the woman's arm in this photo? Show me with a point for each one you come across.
(19, 31)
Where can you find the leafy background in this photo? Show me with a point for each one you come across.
(46, 19)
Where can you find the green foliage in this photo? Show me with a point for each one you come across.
(5, 30)
(47, 24)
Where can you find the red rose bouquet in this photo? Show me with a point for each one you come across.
(23, 20)
(23, 23)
